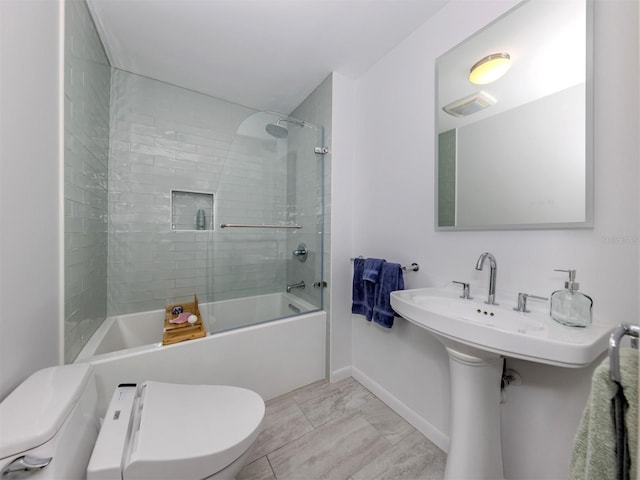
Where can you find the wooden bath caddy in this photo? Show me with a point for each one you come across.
(179, 332)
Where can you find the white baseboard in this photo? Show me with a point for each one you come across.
(416, 420)
(340, 374)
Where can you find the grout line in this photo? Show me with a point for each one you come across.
(318, 395)
(306, 418)
(271, 467)
(304, 415)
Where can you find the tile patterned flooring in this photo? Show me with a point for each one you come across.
(339, 431)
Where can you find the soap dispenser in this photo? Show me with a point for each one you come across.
(569, 306)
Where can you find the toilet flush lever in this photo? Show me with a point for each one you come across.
(21, 467)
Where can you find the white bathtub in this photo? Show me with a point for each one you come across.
(229, 314)
(269, 357)
(144, 329)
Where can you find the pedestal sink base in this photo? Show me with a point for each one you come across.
(475, 448)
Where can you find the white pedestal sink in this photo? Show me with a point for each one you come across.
(476, 337)
(475, 447)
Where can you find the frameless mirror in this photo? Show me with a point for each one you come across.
(516, 153)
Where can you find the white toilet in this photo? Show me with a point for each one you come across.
(49, 429)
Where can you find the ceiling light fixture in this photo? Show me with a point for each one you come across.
(490, 68)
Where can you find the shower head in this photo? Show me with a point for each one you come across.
(276, 130)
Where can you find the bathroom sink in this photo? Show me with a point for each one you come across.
(476, 335)
(478, 329)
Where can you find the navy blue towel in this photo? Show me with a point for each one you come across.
(372, 268)
(358, 297)
(390, 279)
(366, 273)
(371, 277)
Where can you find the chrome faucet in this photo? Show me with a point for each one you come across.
(491, 299)
(291, 286)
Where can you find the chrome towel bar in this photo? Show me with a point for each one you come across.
(246, 225)
(414, 267)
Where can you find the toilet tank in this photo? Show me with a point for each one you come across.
(51, 415)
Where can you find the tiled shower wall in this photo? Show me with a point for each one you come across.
(167, 138)
(86, 143)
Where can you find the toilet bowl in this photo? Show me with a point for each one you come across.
(49, 428)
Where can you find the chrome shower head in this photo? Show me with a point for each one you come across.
(276, 130)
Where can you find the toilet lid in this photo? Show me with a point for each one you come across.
(191, 431)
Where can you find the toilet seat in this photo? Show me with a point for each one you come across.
(186, 431)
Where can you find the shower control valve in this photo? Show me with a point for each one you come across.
(301, 252)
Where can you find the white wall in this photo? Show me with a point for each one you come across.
(393, 217)
(343, 147)
(29, 188)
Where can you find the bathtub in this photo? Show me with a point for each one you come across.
(271, 357)
(140, 331)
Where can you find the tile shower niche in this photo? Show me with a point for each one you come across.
(185, 208)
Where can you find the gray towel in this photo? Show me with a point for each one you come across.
(594, 454)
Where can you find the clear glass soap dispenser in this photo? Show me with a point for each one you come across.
(569, 306)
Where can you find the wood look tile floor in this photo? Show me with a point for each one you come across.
(339, 431)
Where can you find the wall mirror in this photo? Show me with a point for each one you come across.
(516, 152)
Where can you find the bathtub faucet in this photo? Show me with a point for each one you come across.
(291, 286)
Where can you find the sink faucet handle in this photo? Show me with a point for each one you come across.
(522, 302)
(466, 290)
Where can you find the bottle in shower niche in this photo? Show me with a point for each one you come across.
(200, 219)
(569, 306)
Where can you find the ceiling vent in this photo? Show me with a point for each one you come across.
(471, 104)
